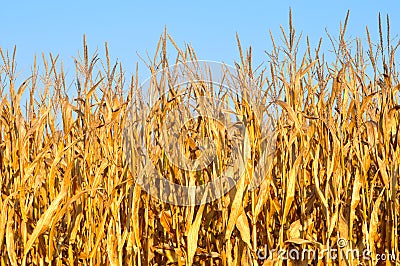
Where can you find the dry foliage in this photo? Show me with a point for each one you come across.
(69, 197)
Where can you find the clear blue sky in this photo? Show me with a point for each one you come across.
(210, 26)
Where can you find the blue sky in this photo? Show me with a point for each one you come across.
(210, 26)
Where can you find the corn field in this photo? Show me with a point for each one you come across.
(69, 190)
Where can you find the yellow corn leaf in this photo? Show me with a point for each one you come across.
(45, 220)
(193, 235)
